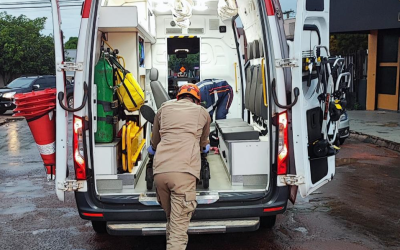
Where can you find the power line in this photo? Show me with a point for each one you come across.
(38, 7)
(40, 2)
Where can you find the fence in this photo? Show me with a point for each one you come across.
(356, 97)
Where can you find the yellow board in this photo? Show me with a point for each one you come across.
(132, 145)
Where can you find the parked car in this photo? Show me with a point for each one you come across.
(28, 84)
(344, 128)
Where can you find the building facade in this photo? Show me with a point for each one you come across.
(381, 20)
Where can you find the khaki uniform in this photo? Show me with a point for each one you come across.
(180, 130)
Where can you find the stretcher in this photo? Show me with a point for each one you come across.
(132, 144)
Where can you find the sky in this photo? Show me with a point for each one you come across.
(71, 16)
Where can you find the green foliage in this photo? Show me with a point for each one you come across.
(23, 49)
(72, 43)
(191, 61)
(341, 44)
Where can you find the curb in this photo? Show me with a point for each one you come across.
(375, 140)
(7, 120)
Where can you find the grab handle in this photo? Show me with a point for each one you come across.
(85, 96)
(296, 97)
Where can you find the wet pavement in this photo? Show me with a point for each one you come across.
(359, 209)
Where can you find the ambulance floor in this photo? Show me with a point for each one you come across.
(219, 181)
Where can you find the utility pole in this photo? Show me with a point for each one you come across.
(288, 13)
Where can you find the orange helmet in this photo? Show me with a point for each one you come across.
(190, 89)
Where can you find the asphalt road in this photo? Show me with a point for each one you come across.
(359, 209)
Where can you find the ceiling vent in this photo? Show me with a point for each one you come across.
(173, 31)
(195, 31)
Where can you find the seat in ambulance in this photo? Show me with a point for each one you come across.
(159, 93)
(236, 129)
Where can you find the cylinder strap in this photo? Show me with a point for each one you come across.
(108, 119)
(108, 106)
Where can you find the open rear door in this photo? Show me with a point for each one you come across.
(314, 156)
(61, 114)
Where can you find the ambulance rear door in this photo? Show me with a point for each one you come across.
(311, 40)
(61, 114)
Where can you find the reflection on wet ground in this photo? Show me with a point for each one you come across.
(359, 209)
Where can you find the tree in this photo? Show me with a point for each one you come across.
(72, 43)
(24, 49)
(191, 61)
(346, 43)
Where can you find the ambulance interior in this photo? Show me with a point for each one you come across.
(208, 40)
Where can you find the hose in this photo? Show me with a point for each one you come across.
(118, 57)
(227, 9)
(182, 12)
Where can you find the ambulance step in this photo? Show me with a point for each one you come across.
(195, 227)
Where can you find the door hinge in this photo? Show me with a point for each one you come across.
(70, 185)
(292, 180)
(69, 66)
(286, 63)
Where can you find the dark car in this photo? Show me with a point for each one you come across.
(28, 84)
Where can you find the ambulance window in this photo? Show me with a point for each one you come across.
(315, 5)
(183, 62)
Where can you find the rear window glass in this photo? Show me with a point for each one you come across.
(21, 83)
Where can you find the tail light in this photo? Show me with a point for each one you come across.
(283, 144)
(78, 150)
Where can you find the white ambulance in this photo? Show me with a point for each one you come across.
(274, 143)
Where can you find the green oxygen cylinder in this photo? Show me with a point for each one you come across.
(103, 78)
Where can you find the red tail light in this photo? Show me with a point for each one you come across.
(273, 209)
(93, 214)
(78, 151)
(283, 144)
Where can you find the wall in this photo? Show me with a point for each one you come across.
(363, 15)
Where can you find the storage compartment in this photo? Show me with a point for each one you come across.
(245, 161)
(123, 19)
(118, 19)
(108, 157)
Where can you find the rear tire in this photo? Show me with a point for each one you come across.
(99, 226)
(342, 140)
(267, 221)
(2, 111)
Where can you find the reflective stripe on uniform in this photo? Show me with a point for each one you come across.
(47, 149)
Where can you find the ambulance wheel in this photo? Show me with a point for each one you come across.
(267, 221)
(99, 226)
(149, 178)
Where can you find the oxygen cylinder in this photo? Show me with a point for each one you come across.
(103, 78)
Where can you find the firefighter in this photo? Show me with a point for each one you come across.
(180, 133)
(216, 95)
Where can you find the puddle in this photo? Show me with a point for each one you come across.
(390, 124)
(301, 230)
(346, 161)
